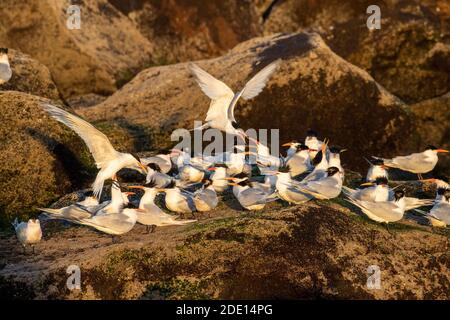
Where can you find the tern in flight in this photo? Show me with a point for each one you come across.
(223, 100)
(107, 159)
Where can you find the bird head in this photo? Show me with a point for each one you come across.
(3, 53)
(399, 194)
(437, 150)
(137, 164)
(154, 167)
(331, 171)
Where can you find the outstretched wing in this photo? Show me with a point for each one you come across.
(253, 87)
(98, 144)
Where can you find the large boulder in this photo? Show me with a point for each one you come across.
(40, 159)
(407, 55)
(183, 30)
(313, 88)
(30, 76)
(92, 59)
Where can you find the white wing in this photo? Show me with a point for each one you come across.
(253, 87)
(219, 93)
(98, 144)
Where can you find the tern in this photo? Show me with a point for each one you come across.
(441, 186)
(87, 209)
(5, 68)
(150, 214)
(287, 188)
(107, 159)
(205, 199)
(251, 198)
(28, 233)
(163, 161)
(377, 192)
(312, 143)
(334, 158)
(223, 100)
(383, 212)
(376, 169)
(236, 161)
(439, 215)
(300, 162)
(114, 224)
(326, 188)
(320, 170)
(418, 163)
(177, 200)
(155, 174)
(219, 183)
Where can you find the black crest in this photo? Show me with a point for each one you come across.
(154, 166)
(3, 50)
(377, 162)
(431, 147)
(331, 171)
(399, 194)
(381, 180)
(336, 149)
(311, 133)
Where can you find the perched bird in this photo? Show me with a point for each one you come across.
(312, 143)
(376, 169)
(236, 162)
(251, 198)
(205, 198)
(28, 233)
(418, 163)
(320, 170)
(293, 145)
(223, 100)
(377, 192)
(300, 162)
(440, 184)
(334, 159)
(287, 188)
(150, 214)
(107, 159)
(85, 210)
(163, 161)
(219, 183)
(439, 215)
(328, 187)
(383, 212)
(5, 68)
(114, 224)
(177, 200)
(156, 175)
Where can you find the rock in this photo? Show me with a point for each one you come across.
(91, 59)
(319, 250)
(313, 88)
(30, 76)
(183, 30)
(433, 124)
(40, 160)
(398, 55)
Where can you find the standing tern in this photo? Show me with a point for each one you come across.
(205, 198)
(313, 143)
(223, 100)
(155, 174)
(219, 183)
(320, 170)
(150, 214)
(28, 233)
(107, 159)
(334, 158)
(418, 163)
(177, 200)
(439, 215)
(376, 169)
(441, 186)
(5, 68)
(251, 198)
(300, 162)
(377, 192)
(326, 188)
(383, 212)
(287, 188)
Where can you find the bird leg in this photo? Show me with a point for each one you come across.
(153, 228)
(24, 249)
(147, 229)
(32, 249)
(114, 239)
(420, 176)
(193, 214)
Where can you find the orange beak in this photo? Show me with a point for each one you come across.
(442, 151)
(143, 167)
(288, 144)
(211, 169)
(367, 184)
(232, 183)
(129, 193)
(135, 187)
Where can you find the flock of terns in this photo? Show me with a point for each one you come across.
(191, 183)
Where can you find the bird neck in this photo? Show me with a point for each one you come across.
(147, 198)
(4, 59)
